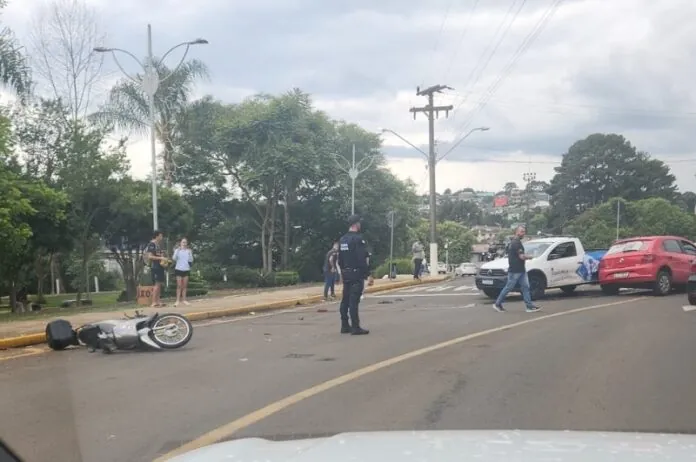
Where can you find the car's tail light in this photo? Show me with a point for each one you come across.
(649, 258)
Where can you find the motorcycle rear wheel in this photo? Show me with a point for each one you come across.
(172, 337)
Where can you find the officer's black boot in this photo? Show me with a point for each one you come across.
(357, 330)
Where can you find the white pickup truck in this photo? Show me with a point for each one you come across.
(559, 262)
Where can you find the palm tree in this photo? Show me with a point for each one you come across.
(14, 69)
(127, 107)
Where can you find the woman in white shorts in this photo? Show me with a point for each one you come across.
(183, 258)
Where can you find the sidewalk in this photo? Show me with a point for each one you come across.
(206, 308)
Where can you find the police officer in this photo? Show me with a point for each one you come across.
(353, 259)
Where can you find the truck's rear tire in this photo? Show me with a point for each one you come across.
(491, 293)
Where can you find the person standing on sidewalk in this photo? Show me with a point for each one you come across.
(353, 259)
(330, 270)
(418, 255)
(517, 272)
(183, 258)
(157, 263)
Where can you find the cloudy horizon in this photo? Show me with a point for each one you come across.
(619, 66)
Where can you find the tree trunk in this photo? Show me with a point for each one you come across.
(271, 236)
(40, 271)
(52, 271)
(13, 297)
(286, 233)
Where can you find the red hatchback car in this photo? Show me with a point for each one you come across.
(659, 263)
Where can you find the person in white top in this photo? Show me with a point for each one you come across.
(183, 258)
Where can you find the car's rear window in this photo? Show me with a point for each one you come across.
(630, 246)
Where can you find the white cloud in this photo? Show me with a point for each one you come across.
(622, 66)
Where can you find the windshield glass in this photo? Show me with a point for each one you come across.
(631, 246)
(535, 249)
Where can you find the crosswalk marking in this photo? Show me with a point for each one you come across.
(438, 288)
(460, 288)
(415, 289)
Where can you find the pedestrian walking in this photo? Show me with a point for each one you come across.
(418, 255)
(517, 273)
(353, 260)
(183, 259)
(330, 269)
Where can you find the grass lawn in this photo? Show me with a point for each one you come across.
(106, 301)
(102, 301)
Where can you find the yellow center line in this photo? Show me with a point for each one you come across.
(229, 429)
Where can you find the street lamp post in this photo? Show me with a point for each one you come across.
(432, 162)
(353, 170)
(150, 82)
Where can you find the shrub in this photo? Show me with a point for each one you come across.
(403, 266)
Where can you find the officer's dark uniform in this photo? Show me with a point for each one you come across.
(353, 261)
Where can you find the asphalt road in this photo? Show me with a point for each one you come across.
(626, 365)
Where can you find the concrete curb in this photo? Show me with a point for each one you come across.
(40, 337)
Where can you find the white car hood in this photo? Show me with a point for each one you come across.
(500, 263)
(451, 446)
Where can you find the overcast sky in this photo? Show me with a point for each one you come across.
(622, 66)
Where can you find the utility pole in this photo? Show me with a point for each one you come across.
(432, 111)
(528, 178)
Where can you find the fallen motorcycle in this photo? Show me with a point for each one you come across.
(157, 331)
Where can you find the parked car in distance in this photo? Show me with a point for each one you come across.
(466, 269)
(659, 263)
(441, 268)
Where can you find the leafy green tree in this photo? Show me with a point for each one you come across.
(648, 217)
(603, 166)
(464, 212)
(457, 237)
(14, 68)
(130, 228)
(687, 201)
(73, 157)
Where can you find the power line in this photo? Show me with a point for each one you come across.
(549, 107)
(465, 29)
(492, 53)
(524, 46)
(437, 40)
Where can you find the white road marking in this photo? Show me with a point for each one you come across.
(470, 305)
(415, 289)
(689, 307)
(460, 288)
(225, 431)
(452, 294)
(438, 288)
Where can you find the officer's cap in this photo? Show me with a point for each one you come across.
(354, 219)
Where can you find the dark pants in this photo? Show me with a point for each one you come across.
(352, 291)
(329, 283)
(417, 267)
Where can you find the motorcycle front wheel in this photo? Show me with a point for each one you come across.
(171, 330)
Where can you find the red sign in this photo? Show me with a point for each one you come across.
(500, 201)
